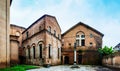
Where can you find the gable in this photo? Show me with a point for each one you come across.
(39, 20)
(80, 23)
(53, 19)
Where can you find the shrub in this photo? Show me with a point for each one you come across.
(106, 51)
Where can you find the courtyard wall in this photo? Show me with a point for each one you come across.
(112, 60)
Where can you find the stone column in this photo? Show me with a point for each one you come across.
(75, 65)
(4, 33)
(74, 53)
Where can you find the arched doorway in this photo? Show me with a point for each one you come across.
(79, 59)
(66, 60)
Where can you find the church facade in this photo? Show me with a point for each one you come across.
(87, 40)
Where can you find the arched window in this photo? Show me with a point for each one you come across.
(34, 52)
(58, 36)
(58, 52)
(40, 50)
(27, 34)
(80, 39)
(40, 28)
(49, 29)
(54, 33)
(29, 53)
(24, 51)
(49, 51)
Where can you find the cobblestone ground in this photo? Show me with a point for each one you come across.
(68, 68)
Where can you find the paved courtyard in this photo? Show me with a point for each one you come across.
(68, 68)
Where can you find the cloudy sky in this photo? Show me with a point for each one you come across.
(103, 15)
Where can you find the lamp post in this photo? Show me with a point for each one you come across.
(75, 65)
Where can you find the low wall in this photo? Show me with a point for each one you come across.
(112, 60)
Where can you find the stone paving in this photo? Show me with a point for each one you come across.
(68, 68)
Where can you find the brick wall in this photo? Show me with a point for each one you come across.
(43, 36)
(69, 38)
(112, 60)
(15, 43)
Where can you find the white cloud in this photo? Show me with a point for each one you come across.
(69, 13)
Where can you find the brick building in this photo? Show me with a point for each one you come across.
(15, 43)
(41, 42)
(88, 40)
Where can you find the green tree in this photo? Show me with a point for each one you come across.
(106, 50)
